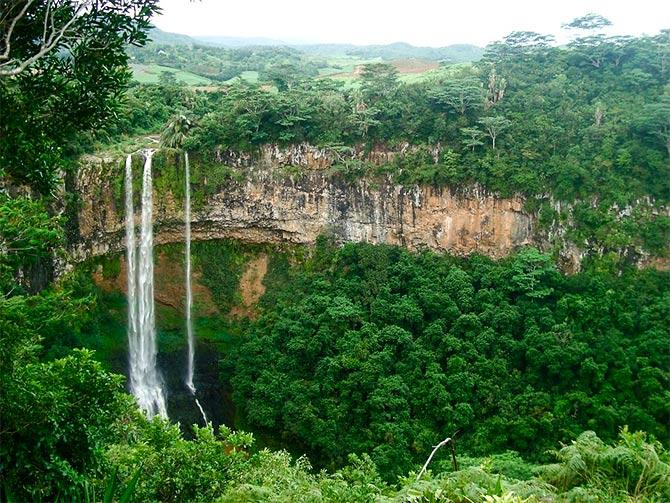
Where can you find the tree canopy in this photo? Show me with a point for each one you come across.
(63, 70)
(372, 349)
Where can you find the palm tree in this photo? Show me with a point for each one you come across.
(176, 131)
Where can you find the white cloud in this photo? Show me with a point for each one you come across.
(419, 22)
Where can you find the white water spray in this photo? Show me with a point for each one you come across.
(189, 291)
(131, 273)
(145, 383)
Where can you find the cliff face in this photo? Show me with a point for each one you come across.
(265, 203)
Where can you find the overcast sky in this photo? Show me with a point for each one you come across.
(419, 22)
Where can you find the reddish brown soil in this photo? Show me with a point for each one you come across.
(414, 65)
(169, 286)
(404, 66)
(251, 287)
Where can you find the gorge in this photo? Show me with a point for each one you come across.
(269, 274)
(260, 203)
(279, 198)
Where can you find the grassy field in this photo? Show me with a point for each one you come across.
(249, 76)
(343, 65)
(148, 74)
(432, 73)
(347, 69)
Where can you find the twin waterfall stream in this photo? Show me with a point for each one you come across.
(145, 381)
(189, 291)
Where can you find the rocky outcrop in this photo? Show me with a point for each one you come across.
(269, 202)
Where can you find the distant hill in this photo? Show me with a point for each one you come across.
(199, 60)
(240, 41)
(456, 53)
(165, 38)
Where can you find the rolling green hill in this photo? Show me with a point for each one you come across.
(457, 53)
(149, 74)
(225, 58)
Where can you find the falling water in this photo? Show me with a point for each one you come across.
(145, 382)
(131, 270)
(189, 292)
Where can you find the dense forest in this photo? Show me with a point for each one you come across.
(359, 358)
(371, 349)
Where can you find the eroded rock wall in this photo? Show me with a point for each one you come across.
(269, 204)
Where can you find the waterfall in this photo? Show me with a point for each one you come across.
(189, 291)
(131, 273)
(145, 382)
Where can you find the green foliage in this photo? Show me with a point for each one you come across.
(460, 96)
(222, 263)
(63, 72)
(655, 120)
(590, 21)
(532, 272)
(220, 467)
(472, 137)
(495, 126)
(77, 84)
(111, 266)
(28, 234)
(587, 470)
(351, 170)
(473, 484)
(371, 349)
(275, 477)
(175, 469)
(56, 419)
(175, 133)
(111, 488)
(633, 469)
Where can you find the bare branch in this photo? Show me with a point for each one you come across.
(435, 449)
(12, 25)
(46, 18)
(51, 38)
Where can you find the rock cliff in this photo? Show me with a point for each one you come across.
(292, 196)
